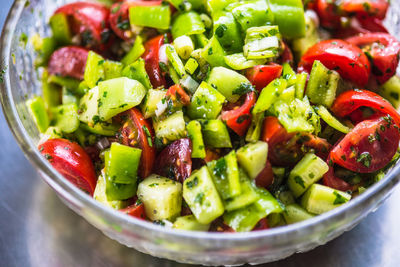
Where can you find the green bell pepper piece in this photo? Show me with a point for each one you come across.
(188, 23)
(137, 71)
(100, 195)
(136, 51)
(269, 95)
(101, 128)
(194, 133)
(66, 117)
(51, 93)
(112, 69)
(175, 60)
(239, 62)
(215, 134)
(215, 6)
(37, 109)
(60, 28)
(44, 47)
(68, 97)
(70, 83)
(191, 65)
(213, 53)
(94, 70)
(227, 31)
(158, 17)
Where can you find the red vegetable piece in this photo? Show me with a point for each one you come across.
(261, 225)
(266, 177)
(135, 211)
(372, 8)
(151, 58)
(261, 75)
(178, 96)
(331, 180)
(68, 61)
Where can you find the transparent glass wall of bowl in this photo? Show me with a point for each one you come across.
(22, 82)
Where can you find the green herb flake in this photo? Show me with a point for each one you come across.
(199, 198)
(299, 181)
(192, 183)
(339, 199)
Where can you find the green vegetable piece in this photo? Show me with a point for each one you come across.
(60, 28)
(112, 69)
(269, 95)
(101, 128)
(51, 133)
(288, 94)
(311, 37)
(171, 128)
(118, 95)
(66, 117)
(216, 6)
(206, 103)
(136, 51)
(194, 133)
(37, 109)
(123, 163)
(254, 131)
(70, 83)
(68, 97)
(153, 97)
(191, 65)
(322, 85)
(100, 195)
(266, 203)
(300, 84)
(88, 107)
(176, 62)
(44, 47)
(308, 171)
(184, 46)
(331, 120)
(319, 199)
(137, 71)
(253, 157)
(153, 16)
(200, 40)
(94, 70)
(225, 174)
(213, 53)
(215, 134)
(295, 213)
(51, 93)
(162, 197)
(289, 16)
(189, 223)
(289, 75)
(227, 31)
(238, 84)
(239, 62)
(262, 42)
(187, 23)
(391, 91)
(202, 197)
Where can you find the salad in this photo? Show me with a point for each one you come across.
(219, 115)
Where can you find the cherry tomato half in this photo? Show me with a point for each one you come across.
(266, 177)
(71, 160)
(261, 225)
(151, 58)
(373, 8)
(137, 132)
(178, 96)
(369, 146)
(261, 75)
(135, 211)
(327, 13)
(331, 180)
(383, 51)
(239, 118)
(347, 59)
(68, 61)
(350, 101)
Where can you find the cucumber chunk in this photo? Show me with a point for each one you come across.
(215, 134)
(194, 133)
(202, 197)
(295, 213)
(319, 199)
(171, 128)
(94, 70)
(37, 109)
(253, 157)
(88, 106)
(153, 97)
(161, 197)
(189, 223)
(123, 163)
(213, 53)
(391, 91)
(100, 195)
(309, 170)
(117, 95)
(66, 117)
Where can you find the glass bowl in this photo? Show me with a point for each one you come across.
(20, 82)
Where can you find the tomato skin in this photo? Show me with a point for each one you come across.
(261, 225)
(151, 58)
(261, 75)
(211, 155)
(135, 211)
(88, 17)
(350, 101)
(71, 160)
(327, 13)
(384, 51)
(178, 96)
(372, 24)
(134, 133)
(347, 59)
(377, 139)
(68, 61)
(287, 55)
(239, 118)
(331, 180)
(373, 8)
(266, 177)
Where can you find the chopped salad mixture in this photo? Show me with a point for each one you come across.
(219, 115)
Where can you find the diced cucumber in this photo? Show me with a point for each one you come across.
(319, 199)
(94, 70)
(215, 134)
(233, 89)
(295, 213)
(266, 202)
(112, 69)
(117, 95)
(51, 133)
(189, 223)
(191, 65)
(137, 71)
(288, 94)
(161, 197)
(253, 157)
(101, 128)
(171, 128)
(213, 53)
(136, 51)
(206, 103)
(66, 117)
(122, 164)
(309, 170)
(391, 91)
(100, 195)
(68, 97)
(88, 106)
(322, 85)
(239, 62)
(51, 93)
(61, 29)
(248, 194)
(71, 83)
(194, 133)
(153, 97)
(37, 109)
(225, 174)
(202, 197)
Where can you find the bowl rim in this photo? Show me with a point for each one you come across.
(75, 195)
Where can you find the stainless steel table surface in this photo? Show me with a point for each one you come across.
(36, 229)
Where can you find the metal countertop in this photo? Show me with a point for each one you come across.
(36, 229)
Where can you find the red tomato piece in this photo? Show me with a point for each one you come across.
(239, 118)
(178, 96)
(369, 146)
(151, 58)
(211, 155)
(383, 51)
(71, 160)
(135, 211)
(350, 101)
(90, 21)
(287, 55)
(261, 225)
(175, 160)
(347, 59)
(373, 8)
(68, 61)
(372, 24)
(266, 177)
(331, 180)
(137, 132)
(327, 13)
(261, 75)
